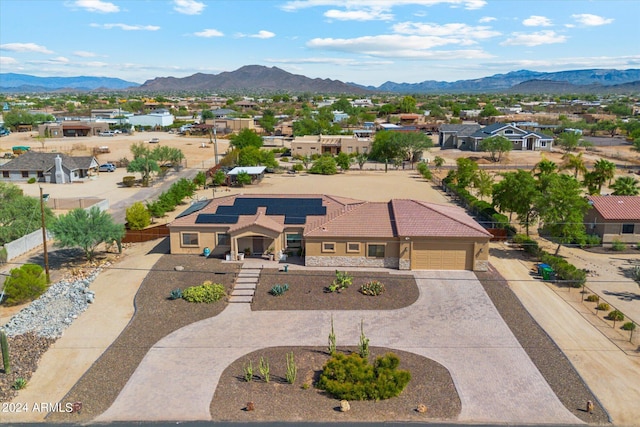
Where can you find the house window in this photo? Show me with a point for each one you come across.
(224, 239)
(349, 149)
(190, 239)
(5, 174)
(375, 251)
(328, 247)
(40, 174)
(25, 174)
(627, 228)
(353, 247)
(543, 143)
(508, 132)
(294, 241)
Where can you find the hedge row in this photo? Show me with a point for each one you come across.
(480, 206)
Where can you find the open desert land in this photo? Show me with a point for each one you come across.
(608, 372)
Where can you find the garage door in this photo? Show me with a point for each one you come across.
(430, 256)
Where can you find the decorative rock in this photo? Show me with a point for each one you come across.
(250, 406)
(422, 408)
(344, 406)
(178, 268)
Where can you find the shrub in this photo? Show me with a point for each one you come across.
(342, 281)
(617, 245)
(373, 288)
(264, 369)
(138, 216)
(629, 326)
(298, 167)
(284, 159)
(292, 369)
(278, 290)
(31, 180)
(175, 294)
(353, 378)
(591, 240)
(128, 181)
(207, 292)
(3, 256)
(616, 316)
(19, 383)
(603, 306)
(593, 298)
(24, 284)
(325, 165)
(248, 372)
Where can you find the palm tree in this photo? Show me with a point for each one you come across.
(545, 167)
(604, 170)
(626, 186)
(574, 162)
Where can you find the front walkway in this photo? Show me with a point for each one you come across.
(453, 322)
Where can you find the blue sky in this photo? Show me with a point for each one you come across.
(366, 41)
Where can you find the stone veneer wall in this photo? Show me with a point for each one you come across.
(349, 261)
(404, 264)
(481, 265)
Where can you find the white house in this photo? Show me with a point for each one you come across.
(158, 118)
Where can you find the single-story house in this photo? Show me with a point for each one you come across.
(56, 168)
(614, 218)
(464, 137)
(71, 129)
(359, 142)
(255, 172)
(334, 231)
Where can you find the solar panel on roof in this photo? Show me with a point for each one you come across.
(197, 206)
(295, 210)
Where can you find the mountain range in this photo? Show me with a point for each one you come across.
(260, 79)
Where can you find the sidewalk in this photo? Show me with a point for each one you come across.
(612, 375)
(90, 334)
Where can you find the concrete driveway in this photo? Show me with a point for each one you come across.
(453, 322)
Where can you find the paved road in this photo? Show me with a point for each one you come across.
(453, 322)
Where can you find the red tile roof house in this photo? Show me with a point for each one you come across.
(614, 218)
(334, 231)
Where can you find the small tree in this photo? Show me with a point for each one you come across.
(86, 230)
(200, 179)
(344, 161)
(243, 178)
(362, 158)
(138, 216)
(496, 146)
(325, 165)
(219, 178)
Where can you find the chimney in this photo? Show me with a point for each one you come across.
(59, 172)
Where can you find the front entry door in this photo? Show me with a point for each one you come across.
(258, 245)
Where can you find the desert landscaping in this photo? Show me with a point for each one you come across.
(575, 371)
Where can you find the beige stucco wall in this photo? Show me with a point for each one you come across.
(610, 231)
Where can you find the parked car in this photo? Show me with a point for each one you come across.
(107, 167)
(154, 140)
(4, 132)
(107, 133)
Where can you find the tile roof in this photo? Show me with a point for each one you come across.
(417, 218)
(617, 207)
(349, 217)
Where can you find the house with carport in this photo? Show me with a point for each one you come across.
(56, 168)
(334, 231)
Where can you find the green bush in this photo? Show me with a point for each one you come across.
(24, 284)
(325, 165)
(353, 378)
(207, 292)
(617, 245)
(284, 159)
(603, 306)
(342, 281)
(593, 298)
(591, 240)
(373, 287)
(298, 167)
(138, 216)
(616, 315)
(629, 326)
(278, 290)
(31, 180)
(3, 255)
(19, 383)
(529, 245)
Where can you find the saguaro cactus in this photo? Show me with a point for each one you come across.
(6, 362)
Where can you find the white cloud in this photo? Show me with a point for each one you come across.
(590, 20)
(127, 27)
(486, 19)
(209, 32)
(325, 60)
(537, 21)
(397, 46)
(188, 7)
(96, 6)
(534, 39)
(24, 47)
(59, 60)
(383, 5)
(565, 63)
(455, 31)
(7, 60)
(96, 64)
(263, 34)
(358, 15)
(84, 54)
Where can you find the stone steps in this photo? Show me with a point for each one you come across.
(245, 286)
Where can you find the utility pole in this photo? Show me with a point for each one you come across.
(44, 237)
(215, 143)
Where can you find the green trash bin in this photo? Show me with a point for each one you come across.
(548, 273)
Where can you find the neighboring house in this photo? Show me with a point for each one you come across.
(56, 168)
(335, 231)
(71, 129)
(458, 136)
(614, 218)
(359, 142)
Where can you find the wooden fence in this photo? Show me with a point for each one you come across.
(151, 233)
